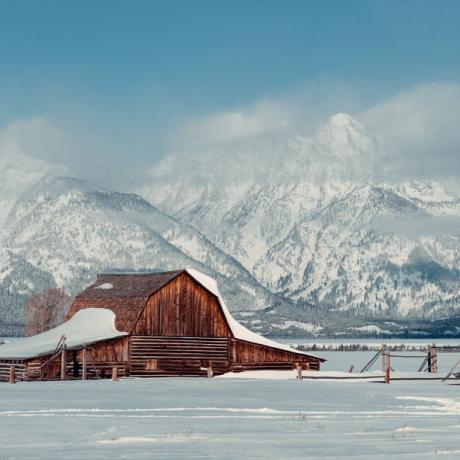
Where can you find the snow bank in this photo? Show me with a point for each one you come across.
(371, 376)
(239, 331)
(292, 375)
(85, 327)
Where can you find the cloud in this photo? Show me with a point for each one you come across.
(420, 226)
(35, 137)
(420, 127)
(260, 118)
(418, 131)
(297, 110)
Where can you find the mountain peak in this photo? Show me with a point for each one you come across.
(341, 128)
(342, 119)
(347, 149)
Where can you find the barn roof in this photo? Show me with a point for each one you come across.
(110, 285)
(124, 293)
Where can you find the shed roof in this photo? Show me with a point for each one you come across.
(84, 328)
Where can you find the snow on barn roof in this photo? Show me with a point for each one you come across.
(85, 327)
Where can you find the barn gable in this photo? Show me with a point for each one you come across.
(183, 307)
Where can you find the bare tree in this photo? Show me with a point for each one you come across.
(45, 310)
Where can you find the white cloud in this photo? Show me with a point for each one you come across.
(421, 226)
(260, 118)
(421, 127)
(418, 128)
(34, 137)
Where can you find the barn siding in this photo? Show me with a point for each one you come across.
(250, 355)
(152, 356)
(182, 308)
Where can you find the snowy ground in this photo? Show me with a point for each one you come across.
(236, 418)
(228, 418)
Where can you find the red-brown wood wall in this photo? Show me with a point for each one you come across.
(249, 355)
(182, 308)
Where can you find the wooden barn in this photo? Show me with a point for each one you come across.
(145, 325)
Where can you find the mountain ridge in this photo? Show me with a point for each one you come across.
(310, 236)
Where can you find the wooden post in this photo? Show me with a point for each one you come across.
(63, 363)
(299, 371)
(84, 364)
(114, 373)
(209, 371)
(383, 352)
(434, 359)
(428, 359)
(12, 376)
(387, 368)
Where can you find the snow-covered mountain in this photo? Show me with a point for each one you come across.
(62, 231)
(308, 218)
(282, 220)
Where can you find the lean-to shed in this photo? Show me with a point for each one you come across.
(152, 324)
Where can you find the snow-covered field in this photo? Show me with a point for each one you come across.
(228, 418)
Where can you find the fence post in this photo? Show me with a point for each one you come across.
(383, 350)
(387, 368)
(434, 359)
(12, 376)
(84, 358)
(114, 373)
(299, 371)
(209, 371)
(63, 362)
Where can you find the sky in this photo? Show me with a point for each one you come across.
(109, 87)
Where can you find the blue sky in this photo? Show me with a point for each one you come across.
(119, 76)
